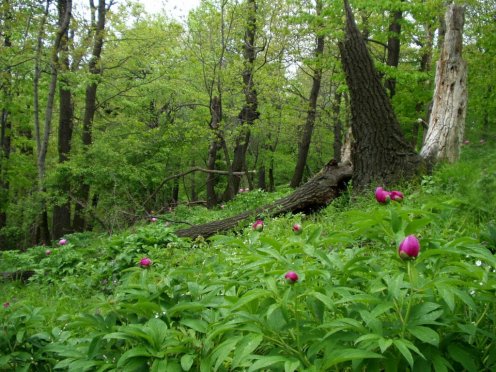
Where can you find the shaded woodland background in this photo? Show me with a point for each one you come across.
(103, 105)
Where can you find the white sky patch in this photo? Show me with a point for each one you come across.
(178, 9)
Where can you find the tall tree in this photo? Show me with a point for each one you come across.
(94, 68)
(393, 48)
(5, 119)
(306, 135)
(249, 112)
(62, 213)
(447, 120)
(43, 140)
(379, 152)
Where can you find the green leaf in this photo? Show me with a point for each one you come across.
(326, 300)
(266, 361)
(416, 225)
(425, 334)
(344, 355)
(187, 361)
(250, 296)
(136, 352)
(403, 349)
(291, 366)
(314, 236)
(222, 351)
(384, 344)
(396, 221)
(246, 346)
(198, 325)
(446, 293)
(464, 357)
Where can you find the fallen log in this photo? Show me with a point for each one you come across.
(317, 193)
(20, 275)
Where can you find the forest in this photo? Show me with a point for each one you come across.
(261, 185)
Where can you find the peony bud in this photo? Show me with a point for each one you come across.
(297, 228)
(291, 277)
(6, 305)
(409, 248)
(396, 196)
(258, 225)
(48, 252)
(382, 196)
(62, 241)
(145, 262)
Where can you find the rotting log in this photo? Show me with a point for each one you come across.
(317, 193)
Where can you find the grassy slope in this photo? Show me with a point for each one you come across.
(468, 187)
(93, 273)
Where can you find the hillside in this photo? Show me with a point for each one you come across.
(335, 296)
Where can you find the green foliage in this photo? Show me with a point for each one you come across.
(225, 305)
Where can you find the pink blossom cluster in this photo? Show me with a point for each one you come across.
(383, 196)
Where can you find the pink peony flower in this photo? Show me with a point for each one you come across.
(241, 190)
(258, 225)
(48, 252)
(297, 228)
(62, 241)
(396, 196)
(409, 248)
(145, 262)
(382, 196)
(153, 219)
(291, 277)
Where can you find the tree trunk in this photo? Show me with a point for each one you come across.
(215, 119)
(447, 120)
(61, 220)
(249, 113)
(380, 154)
(318, 192)
(337, 127)
(90, 109)
(393, 49)
(43, 142)
(425, 67)
(306, 137)
(5, 124)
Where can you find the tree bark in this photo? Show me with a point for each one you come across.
(447, 120)
(249, 113)
(61, 220)
(318, 192)
(306, 137)
(380, 154)
(337, 126)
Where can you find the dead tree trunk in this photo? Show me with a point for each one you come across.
(447, 120)
(379, 153)
(318, 192)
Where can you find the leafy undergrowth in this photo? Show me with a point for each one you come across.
(225, 305)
